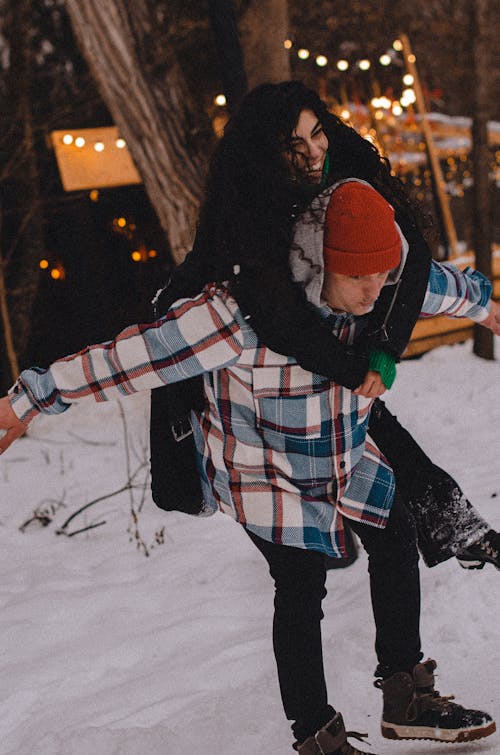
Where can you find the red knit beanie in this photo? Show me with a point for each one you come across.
(360, 236)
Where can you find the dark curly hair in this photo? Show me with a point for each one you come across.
(253, 194)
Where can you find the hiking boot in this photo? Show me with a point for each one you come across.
(486, 550)
(413, 709)
(331, 740)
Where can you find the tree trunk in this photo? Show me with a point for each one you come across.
(20, 252)
(482, 225)
(263, 29)
(151, 107)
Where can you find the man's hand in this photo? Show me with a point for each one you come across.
(10, 423)
(493, 320)
(372, 387)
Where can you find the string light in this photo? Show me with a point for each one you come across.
(364, 64)
(345, 114)
(411, 58)
(136, 255)
(385, 60)
(152, 253)
(288, 44)
(99, 146)
(121, 143)
(67, 139)
(408, 79)
(94, 195)
(303, 54)
(342, 65)
(408, 97)
(121, 222)
(79, 142)
(321, 61)
(397, 109)
(397, 45)
(44, 264)
(220, 100)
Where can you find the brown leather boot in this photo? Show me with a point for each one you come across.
(331, 740)
(413, 709)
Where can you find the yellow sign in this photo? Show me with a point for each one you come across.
(90, 158)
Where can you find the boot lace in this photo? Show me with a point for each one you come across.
(421, 702)
(348, 749)
(487, 546)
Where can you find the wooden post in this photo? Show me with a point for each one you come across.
(443, 199)
(481, 197)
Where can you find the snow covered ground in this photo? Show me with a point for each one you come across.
(105, 651)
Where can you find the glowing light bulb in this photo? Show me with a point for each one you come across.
(121, 143)
(220, 100)
(99, 146)
(411, 58)
(303, 54)
(67, 139)
(342, 65)
(397, 109)
(345, 114)
(397, 45)
(94, 195)
(364, 64)
(409, 95)
(152, 253)
(321, 61)
(55, 273)
(121, 222)
(288, 44)
(79, 142)
(385, 60)
(136, 256)
(44, 264)
(408, 79)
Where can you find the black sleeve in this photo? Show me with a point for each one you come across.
(278, 311)
(392, 321)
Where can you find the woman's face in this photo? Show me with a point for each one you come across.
(308, 147)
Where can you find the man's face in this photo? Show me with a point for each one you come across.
(356, 294)
(309, 146)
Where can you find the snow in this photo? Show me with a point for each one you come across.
(105, 651)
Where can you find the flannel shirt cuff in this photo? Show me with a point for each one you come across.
(21, 403)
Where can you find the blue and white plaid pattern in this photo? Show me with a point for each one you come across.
(282, 450)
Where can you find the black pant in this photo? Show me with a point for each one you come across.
(300, 576)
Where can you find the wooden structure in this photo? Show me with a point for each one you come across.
(92, 158)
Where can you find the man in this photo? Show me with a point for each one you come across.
(284, 452)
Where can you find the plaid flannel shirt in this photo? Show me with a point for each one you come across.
(282, 450)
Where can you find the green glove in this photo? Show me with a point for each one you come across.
(385, 364)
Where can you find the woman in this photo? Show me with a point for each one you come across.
(279, 151)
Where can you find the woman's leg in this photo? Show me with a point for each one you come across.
(395, 589)
(446, 521)
(299, 577)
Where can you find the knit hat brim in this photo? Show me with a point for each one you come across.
(353, 263)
